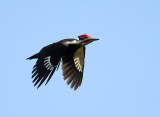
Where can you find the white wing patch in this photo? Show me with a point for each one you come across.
(47, 63)
(79, 59)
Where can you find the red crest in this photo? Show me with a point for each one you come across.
(84, 35)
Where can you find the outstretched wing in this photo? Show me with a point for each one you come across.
(49, 59)
(73, 66)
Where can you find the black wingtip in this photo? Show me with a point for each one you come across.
(38, 86)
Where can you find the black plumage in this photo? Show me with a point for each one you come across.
(71, 52)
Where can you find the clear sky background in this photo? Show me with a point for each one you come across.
(122, 69)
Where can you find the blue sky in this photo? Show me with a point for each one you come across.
(122, 69)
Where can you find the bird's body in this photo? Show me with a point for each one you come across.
(72, 54)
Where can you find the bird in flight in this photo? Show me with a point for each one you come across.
(72, 54)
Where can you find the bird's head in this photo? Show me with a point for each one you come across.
(86, 39)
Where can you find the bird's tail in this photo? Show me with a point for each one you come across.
(33, 57)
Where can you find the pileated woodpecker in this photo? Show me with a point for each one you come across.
(72, 54)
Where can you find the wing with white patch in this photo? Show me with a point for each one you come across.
(73, 66)
(79, 59)
(48, 61)
(48, 64)
(44, 69)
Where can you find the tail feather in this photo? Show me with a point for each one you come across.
(33, 57)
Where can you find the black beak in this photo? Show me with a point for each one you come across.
(89, 40)
(93, 39)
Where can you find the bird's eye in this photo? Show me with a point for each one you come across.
(82, 38)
